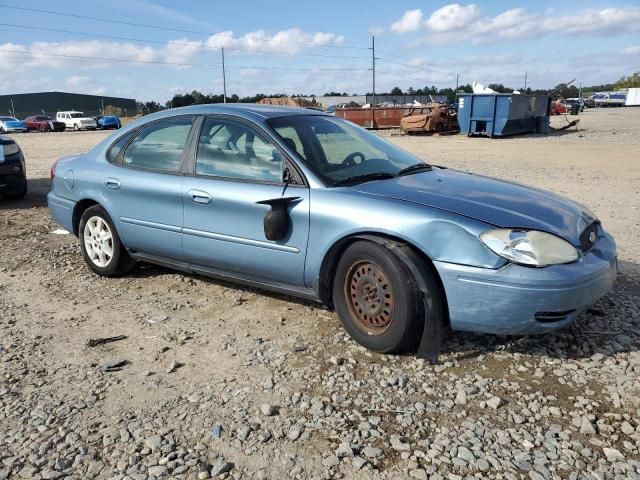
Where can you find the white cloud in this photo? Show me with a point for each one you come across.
(634, 50)
(409, 22)
(291, 40)
(611, 20)
(76, 80)
(181, 51)
(451, 17)
(16, 57)
(458, 23)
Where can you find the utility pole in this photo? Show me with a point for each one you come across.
(457, 80)
(580, 91)
(525, 81)
(373, 67)
(373, 79)
(13, 110)
(224, 78)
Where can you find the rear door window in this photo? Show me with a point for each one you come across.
(159, 145)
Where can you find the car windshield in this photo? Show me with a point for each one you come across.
(77, 115)
(338, 150)
(44, 119)
(8, 119)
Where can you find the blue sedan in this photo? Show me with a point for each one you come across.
(108, 121)
(12, 125)
(304, 203)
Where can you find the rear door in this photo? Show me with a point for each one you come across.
(143, 186)
(236, 166)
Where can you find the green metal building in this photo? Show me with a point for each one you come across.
(24, 104)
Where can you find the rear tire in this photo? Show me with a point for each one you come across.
(18, 195)
(101, 246)
(377, 299)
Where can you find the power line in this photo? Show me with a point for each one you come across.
(417, 67)
(172, 42)
(158, 62)
(156, 27)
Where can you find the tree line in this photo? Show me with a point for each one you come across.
(562, 90)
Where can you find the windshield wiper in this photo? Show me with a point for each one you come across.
(363, 178)
(418, 167)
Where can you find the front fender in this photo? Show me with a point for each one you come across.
(337, 214)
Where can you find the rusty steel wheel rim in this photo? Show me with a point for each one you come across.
(369, 297)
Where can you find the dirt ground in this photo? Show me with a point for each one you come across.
(202, 354)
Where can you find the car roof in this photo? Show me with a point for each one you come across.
(249, 110)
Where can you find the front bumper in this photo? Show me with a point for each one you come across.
(16, 129)
(61, 210)
(516, 300)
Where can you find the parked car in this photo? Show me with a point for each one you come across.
(305, 203)
(76, 120)
(11, 125)
(576, 101)
(44, 123)
(13, 171)
(108, 121)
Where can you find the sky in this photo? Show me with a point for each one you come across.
(152, 49)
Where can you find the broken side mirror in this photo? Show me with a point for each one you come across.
(276, 220)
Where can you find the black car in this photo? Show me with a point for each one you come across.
(13, 172)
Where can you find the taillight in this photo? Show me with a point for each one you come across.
(53, 169)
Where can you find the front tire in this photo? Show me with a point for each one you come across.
(377, 299)
(101, 246)
(76, 127)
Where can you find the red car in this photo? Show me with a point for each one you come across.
(44, 123)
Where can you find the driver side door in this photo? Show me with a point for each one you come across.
(235, 166)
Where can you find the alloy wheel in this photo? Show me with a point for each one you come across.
(98, 241)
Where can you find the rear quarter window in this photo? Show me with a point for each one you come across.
(159, 145)
(119, 145)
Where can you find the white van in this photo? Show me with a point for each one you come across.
(76, 120)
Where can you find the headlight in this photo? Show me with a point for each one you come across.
(10, 149)
(531, 248)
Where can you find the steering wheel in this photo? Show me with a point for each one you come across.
(350, 161)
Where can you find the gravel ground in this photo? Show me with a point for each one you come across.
(217, 381)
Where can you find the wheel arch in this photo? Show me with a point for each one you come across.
(332, 257)
(78, 210)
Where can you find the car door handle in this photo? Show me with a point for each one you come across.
(112, 183)
(199, 196)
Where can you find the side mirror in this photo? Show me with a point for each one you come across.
(276, 220)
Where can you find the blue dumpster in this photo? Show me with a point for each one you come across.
(500, 114)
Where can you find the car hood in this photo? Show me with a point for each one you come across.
(497, 202)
